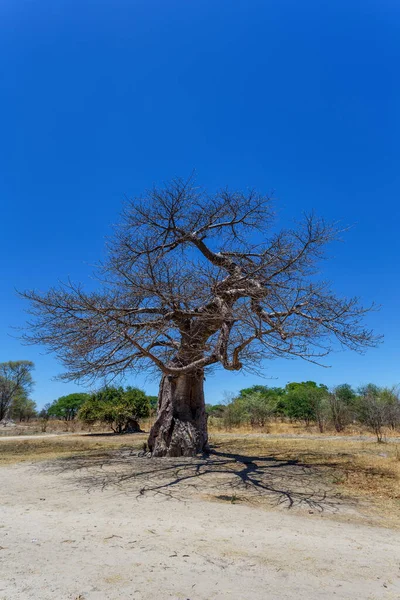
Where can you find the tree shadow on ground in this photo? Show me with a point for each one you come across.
(221, 475)
(116, 434)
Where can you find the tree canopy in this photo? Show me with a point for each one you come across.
(374, 407)
(195, 280)
(185, 273)
(120, 409)
(67, 407)
(22, 407)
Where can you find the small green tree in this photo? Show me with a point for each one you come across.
(215, 410)
(120, 409)
(153, 403)
(67, 407)
(260, 404)
(307, 401)
(259, 408)
(254, 406)
(235, 413)
(22, 407)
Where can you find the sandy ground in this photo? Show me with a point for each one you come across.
(7, 436)
(135, 528)
(14, 438)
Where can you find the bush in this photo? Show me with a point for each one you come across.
(120, 409)
(22, 408)
(67, 407)
(308, 402)
(153, 403)
(378, 408)
(254, 406)
(374, 407)
(342, 404)
(215, 410)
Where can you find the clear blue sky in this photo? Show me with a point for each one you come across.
(99, 100)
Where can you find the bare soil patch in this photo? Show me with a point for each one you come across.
(256, 519)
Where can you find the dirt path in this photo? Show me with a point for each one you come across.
(67, 535)
(271, 436)
(7, 438)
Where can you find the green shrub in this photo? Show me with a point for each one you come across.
(120, 409)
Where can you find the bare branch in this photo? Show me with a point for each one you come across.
(194, 280)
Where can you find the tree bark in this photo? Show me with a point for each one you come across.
(181, 425)
(131, 426)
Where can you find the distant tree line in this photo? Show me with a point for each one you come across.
(376, 408)
(117, 407)
(370, 406)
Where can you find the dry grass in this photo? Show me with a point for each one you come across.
(360, 470)
(13, 451)
(37, 427)
(215, 425)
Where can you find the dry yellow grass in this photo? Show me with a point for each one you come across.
(358, 469)
(361, 469)
(38, 427)
(215, 425)
(13, 451)
(296, 428)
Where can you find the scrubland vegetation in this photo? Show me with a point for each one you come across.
(331, 430)
(355, 469)
(300, 407)
(308, 405)
(305, 424)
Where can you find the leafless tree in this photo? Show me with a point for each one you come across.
(374, 409)
(341, 402)
(15, 379)
(193, 281)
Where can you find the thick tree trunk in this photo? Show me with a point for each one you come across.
(131, 426)
(181, 425)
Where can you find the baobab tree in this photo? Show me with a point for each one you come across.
(193, 281)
